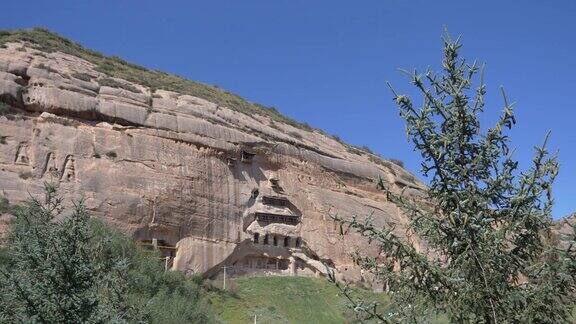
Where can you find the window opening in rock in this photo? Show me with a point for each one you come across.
(275, 240)
(287, 241)
(266, 239)
(256, 237)
(298, 242)
(247, 157)
(275, 201)
(167, 251)
(275, 184)
(277, 218)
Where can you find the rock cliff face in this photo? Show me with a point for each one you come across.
(564, 230)
(210, 186)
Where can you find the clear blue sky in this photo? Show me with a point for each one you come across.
(325, 62)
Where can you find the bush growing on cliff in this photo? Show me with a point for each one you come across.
(82, 76)
(4, 109)
(398, 162)
(111, 154)
(74, 269)
(116, 84)
(486, 224)
(4, 204)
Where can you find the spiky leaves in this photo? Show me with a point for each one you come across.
(484, 223)
(52, 275)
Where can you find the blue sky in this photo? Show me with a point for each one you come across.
(326, 62)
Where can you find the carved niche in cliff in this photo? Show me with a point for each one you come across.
(69, 170)
(50, 165)
(22, 154)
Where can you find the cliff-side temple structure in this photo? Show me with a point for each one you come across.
(204, 177)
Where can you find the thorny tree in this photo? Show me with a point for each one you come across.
(57, 272)
(487, 226)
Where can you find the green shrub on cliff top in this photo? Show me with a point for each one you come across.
(4, 109)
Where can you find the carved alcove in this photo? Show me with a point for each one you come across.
(68, 170)
(22, 154)
(50, 168)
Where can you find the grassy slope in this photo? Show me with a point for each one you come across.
(284, 300)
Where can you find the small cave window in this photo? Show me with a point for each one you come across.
(287, 241)
(282, 264)
(275, 184)
(298, 242)
(165, 248)
(247, 157)
(276, 218)
(265, 239)
(275, 240)
(275, 201)
(256, 237)
(255, 192)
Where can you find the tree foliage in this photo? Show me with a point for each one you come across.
(486, 253)
(60, 268)
(54, 275)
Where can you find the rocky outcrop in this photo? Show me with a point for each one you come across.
(563, 230)
(209, 186)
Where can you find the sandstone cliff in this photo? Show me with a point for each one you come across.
(214, 182)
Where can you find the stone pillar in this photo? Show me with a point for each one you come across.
(292, 266)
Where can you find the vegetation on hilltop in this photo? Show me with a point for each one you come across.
(47, 41)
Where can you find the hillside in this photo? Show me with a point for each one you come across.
(281, 300)
(209, 178)
(288, 300)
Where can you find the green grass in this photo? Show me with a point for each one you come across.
(285, 300)
(115, 84)
(47, 41)
(82, 76)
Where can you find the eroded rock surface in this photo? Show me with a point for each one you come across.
(210, 186)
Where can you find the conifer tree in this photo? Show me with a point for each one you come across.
(59, 265)
(55, 273)
(487, 226)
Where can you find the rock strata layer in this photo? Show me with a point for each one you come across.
(208, 186)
